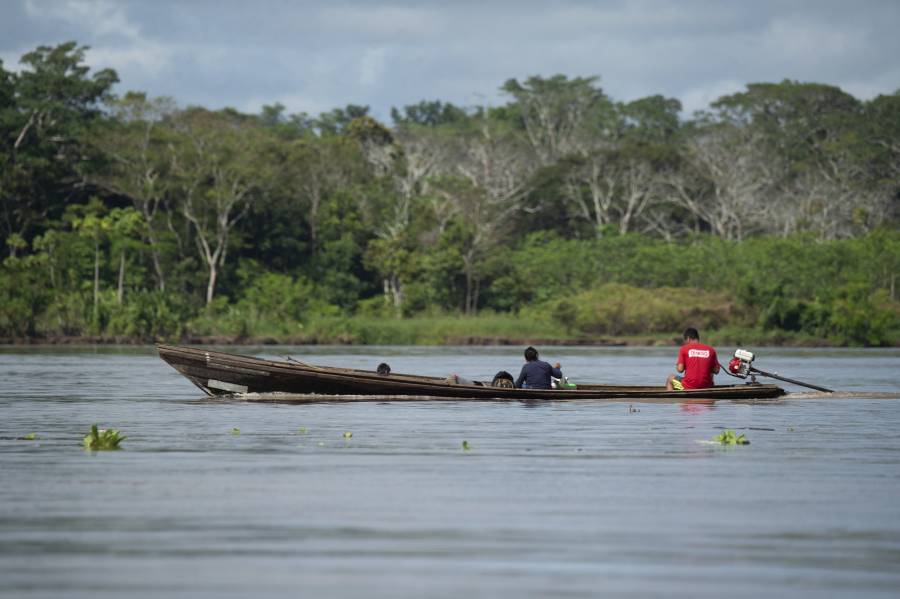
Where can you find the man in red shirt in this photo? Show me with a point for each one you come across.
(698, 362)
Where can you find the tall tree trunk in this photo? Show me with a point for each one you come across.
(211, 285)
(96, 281)
(393, 293)
(157, 266)
(120, 293)
(315, 200)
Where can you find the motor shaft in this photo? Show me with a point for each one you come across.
(787, 380)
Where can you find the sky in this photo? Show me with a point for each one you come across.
(313, 56)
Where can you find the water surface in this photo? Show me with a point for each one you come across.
(552, 499)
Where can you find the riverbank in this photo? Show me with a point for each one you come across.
(445, 331)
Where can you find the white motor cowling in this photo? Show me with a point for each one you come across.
(741, 363)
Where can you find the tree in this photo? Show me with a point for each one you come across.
(428, 114)
(728, 180)
(881, 135)
(125, 227)
(314, 169)
(390, 256)
(798, 120)
(833, 201)
(491, 174)
(336, 121)
(9, 128)
(418, 152)
(561, 115)
(24, 295)
(139, 163)
(220, 167)
(288, 127)
(652, 119)
(54, 99)
(612, 187)
(90, 222)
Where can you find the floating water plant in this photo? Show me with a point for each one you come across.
(104, 438)
(347, 434)
(235, 431)
(465, 446)
(729, 437)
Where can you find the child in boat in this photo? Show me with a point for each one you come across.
(697, 361)
(536, 373)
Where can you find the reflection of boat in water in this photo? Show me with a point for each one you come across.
(219, 373)
(697, 406)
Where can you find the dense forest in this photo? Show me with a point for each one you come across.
(772, 215)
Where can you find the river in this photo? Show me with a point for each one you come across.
(211, 498)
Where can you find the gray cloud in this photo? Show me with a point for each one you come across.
(314, 56)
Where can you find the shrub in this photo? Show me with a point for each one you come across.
(617, 309)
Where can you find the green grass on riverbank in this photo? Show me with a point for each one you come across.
(488, 329)
(491, 329)
(529, 327)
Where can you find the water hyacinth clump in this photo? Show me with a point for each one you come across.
(104, 438)
(729, 437)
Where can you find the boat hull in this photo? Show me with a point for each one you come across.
(224, 374)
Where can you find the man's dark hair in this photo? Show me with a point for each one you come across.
(531, 354)
(691, 333)
(383, 369)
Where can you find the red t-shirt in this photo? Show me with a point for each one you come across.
(699, 363)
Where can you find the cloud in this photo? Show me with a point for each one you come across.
(371, 67)
(385, 22)
(884, 84)
(147, 58)
(99, 17)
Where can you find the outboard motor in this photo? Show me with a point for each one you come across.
(741, 364)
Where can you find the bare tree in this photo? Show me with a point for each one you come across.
(639, 184)
(560, 116)
(590, 187)
(612, 186)
(833, 202)
(496, 167)
(422, 151)
(219, 169)
(727, 182)
(410, 158)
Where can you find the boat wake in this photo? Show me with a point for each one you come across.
(281, 397)
(842, 395)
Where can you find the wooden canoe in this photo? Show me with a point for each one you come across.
(219, 373)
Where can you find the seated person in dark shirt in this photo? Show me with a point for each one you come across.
(536, 373)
